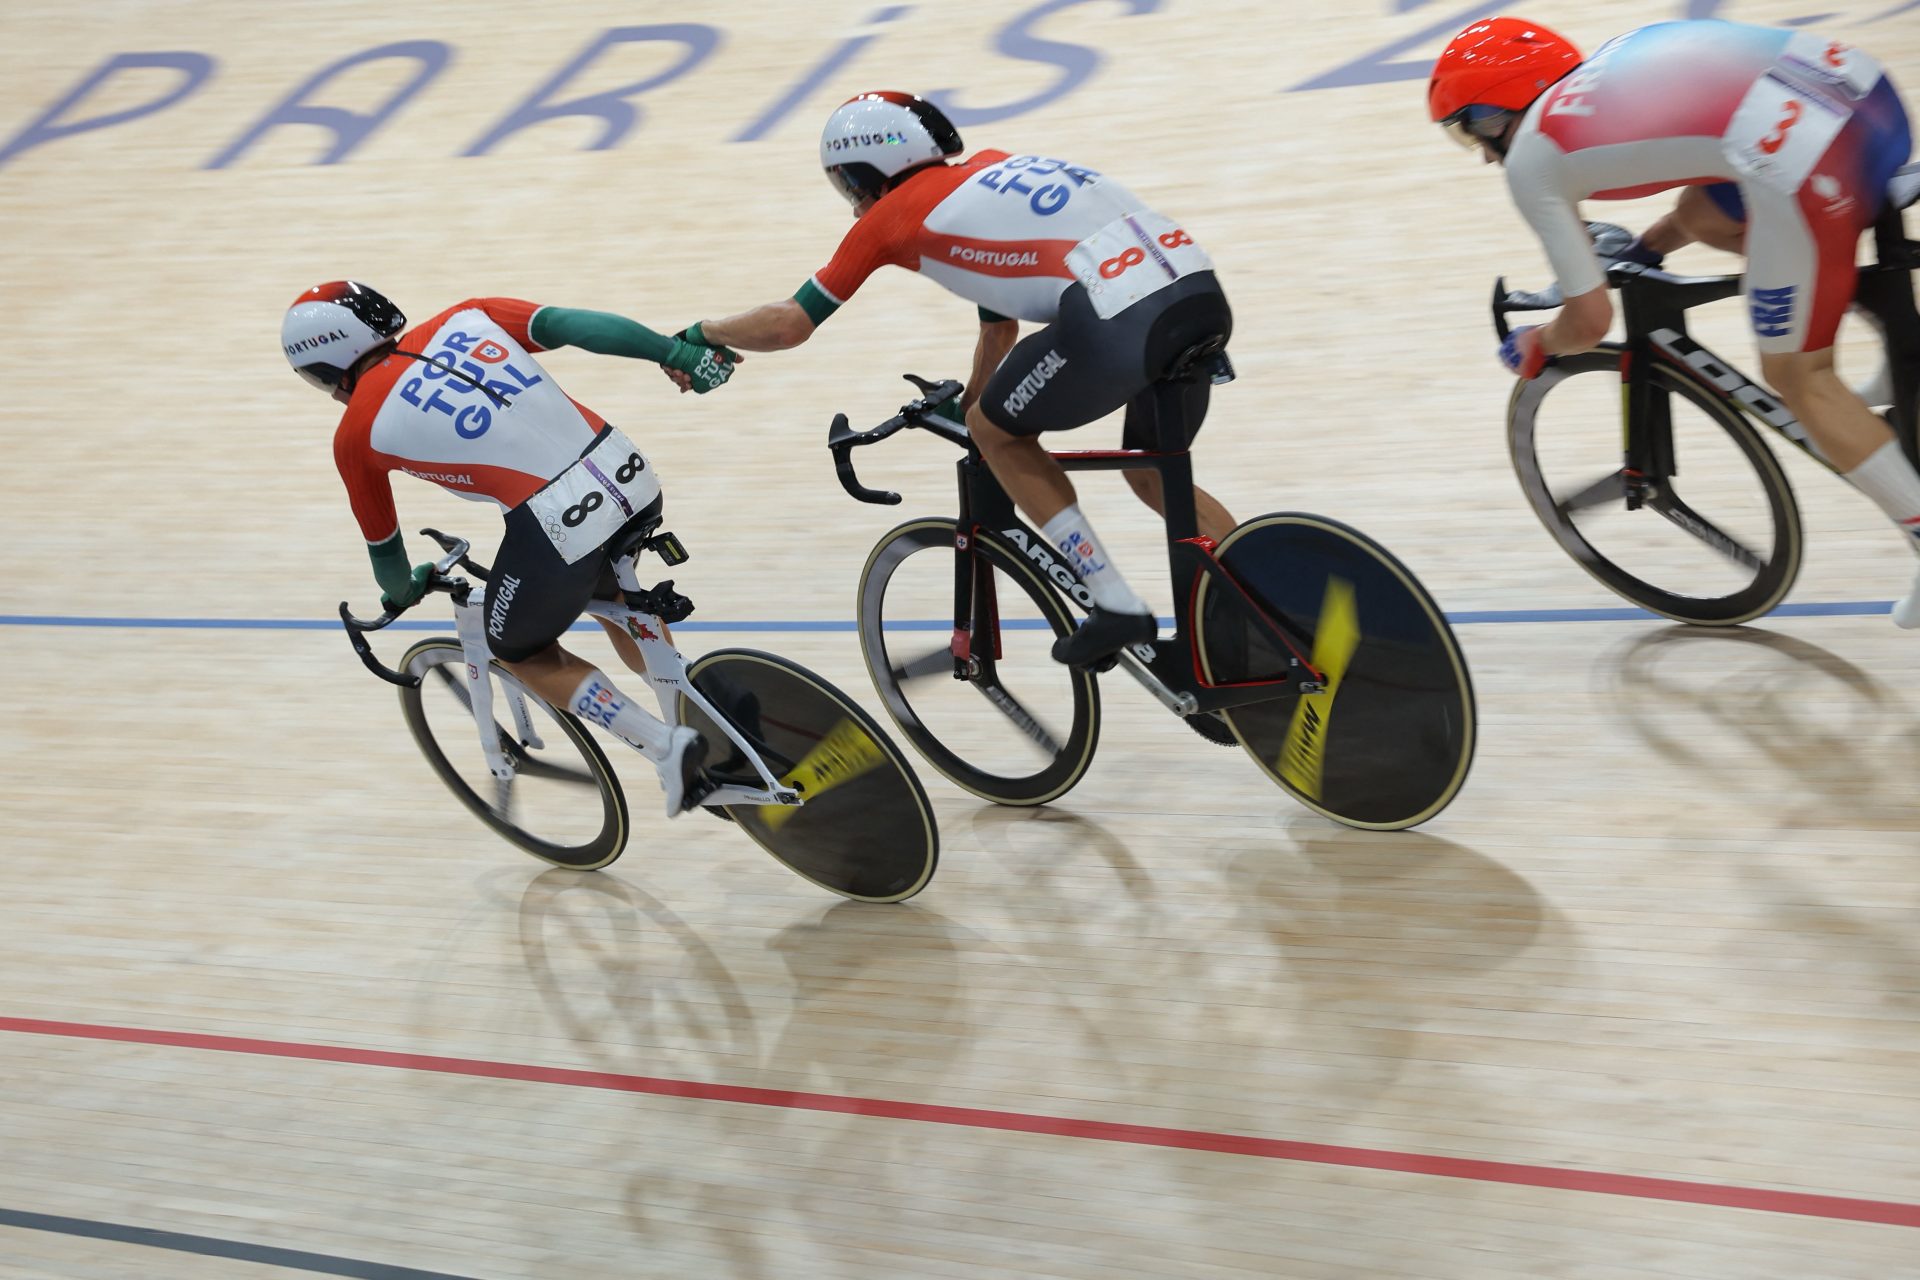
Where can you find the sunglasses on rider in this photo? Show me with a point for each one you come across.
(1477, 125)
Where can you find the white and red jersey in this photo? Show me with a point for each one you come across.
(1679, 104)
(994, 229)
(467, 408)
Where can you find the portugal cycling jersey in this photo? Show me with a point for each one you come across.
(1807, 128)
(462, 403)
(995, 229)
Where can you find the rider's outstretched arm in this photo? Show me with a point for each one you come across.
(607, 334)
(775, 326)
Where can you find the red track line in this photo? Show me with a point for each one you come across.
(1840, 1208)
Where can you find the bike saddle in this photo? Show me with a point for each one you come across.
(1198, 361)
(1904, 190)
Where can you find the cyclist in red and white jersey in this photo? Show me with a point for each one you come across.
(460, 402)
(1121, 290)
(1783, 142)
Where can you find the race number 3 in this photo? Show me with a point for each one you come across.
(1780, 132)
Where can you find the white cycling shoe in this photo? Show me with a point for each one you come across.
(680, 775)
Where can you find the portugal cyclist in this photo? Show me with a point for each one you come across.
(1784, 143)
(1121, 290)
(461, 402)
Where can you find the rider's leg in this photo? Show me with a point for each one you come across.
(1039, 486)
(532, 597)
(1710, 215)
(1214, 519)
(1139, 433)
(1800, 279)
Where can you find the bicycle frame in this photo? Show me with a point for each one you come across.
(1654, 304)
(1168, 668)
(666, 673)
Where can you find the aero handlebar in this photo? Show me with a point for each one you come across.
(842, 439)
(357, 629)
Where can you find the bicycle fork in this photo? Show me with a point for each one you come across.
(470, 620)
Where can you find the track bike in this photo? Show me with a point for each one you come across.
(1296, 637)
(792, 761)
(1603, 472)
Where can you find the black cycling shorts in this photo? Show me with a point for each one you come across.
(534, 595)
(1081, 368)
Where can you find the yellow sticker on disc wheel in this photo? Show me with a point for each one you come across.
(1303, 756)
(843, 755)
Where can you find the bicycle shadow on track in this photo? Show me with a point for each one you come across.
(1813, 747)
(997, 827)
(621, 975)
(878, 1008)
(1749, 708)
(1377, 933)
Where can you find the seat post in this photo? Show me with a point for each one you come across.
(1175, 464)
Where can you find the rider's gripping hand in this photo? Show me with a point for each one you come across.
(1523, 353)
(705, 366)
(411, 593)
(950, 410)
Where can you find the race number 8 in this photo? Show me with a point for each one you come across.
(632, 467)
(1120, 264)
(575, 515)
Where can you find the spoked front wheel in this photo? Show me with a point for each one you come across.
(1716, 542)
(563, 804)
(999, 717)
(1388, 741)
(865, 829)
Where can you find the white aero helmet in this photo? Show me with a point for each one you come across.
(332, 325)
(874, 138)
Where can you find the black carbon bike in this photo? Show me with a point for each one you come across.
(1722, 544)
(1296, 637)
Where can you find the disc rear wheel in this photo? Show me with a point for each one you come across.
(1388, 742)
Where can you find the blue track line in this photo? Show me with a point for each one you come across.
(1469, 617)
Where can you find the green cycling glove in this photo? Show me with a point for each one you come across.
(400, 587)
(951, 411)
(410, 594)
(708, 367)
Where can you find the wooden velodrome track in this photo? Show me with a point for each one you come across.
(1644, 1002)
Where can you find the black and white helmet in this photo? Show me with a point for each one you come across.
(332, 325)
(877, 137)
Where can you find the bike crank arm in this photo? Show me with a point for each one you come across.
(732, 793)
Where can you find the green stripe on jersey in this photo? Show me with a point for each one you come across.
(814, 301)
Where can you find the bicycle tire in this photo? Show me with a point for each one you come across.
(1770, 583)
(1067, 757)
(865, 829)
(1401, 744)
(608, 841)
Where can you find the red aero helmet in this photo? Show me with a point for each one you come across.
(1498, 62)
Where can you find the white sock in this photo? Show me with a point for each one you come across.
(597, 701)
(1890, 480)
(1073, 536)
